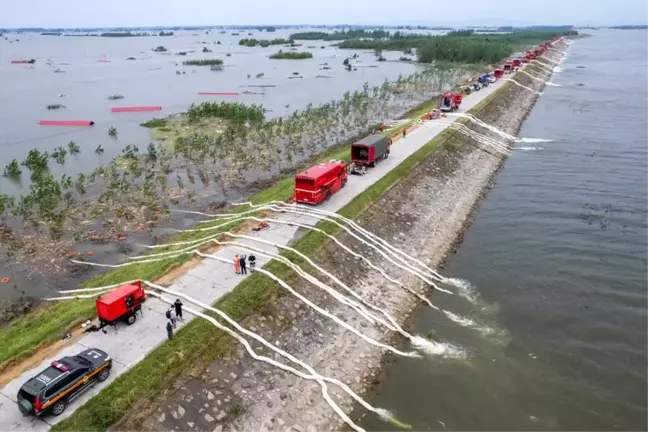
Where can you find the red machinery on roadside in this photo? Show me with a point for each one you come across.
(530, 55)
(517, 63)
(508, 67)
(450, 101)
(318, 183)
(121, 304)
(498, 73)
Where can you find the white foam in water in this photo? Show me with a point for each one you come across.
(535, 140)
(530, 148)
(551, 84)
(433, 348)
(466, 289)
(469, 323)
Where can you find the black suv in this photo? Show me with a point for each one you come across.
(63, 381)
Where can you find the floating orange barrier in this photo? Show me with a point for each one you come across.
(104, 61)
(136, 108)
(72, 254)
(122, 238)
(90, 253)
(219, 93)
(4, 280)
(19, 61)
(66, 122)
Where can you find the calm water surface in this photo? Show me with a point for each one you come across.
(555, 336)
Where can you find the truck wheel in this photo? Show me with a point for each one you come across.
(59, 407)
(130, 319)
(372, 164)
(103, 375)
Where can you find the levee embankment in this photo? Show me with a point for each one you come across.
(425, 214)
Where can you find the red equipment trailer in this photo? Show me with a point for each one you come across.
(508, 67)
(517, 63)
(450, 101)
(498, 73)
(318, 183)
(529, 56)
(121, 304)
(371, 149)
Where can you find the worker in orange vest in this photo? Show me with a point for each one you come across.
(237, 264)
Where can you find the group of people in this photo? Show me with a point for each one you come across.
(241, 261)
(172, 319)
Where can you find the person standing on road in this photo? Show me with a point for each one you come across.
(237, 264)
(404, 132)
(252, 260)
(169, 328)
(243, 265)
(170, 317)
(178, 309)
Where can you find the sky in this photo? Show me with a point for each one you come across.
(134, 13)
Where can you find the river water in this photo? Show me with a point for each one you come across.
(555, 337)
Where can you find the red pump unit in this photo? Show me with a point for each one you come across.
(517, 63)
(450, 101)
(498, 73)
(318, 183)
(121, 304)
(508, 67)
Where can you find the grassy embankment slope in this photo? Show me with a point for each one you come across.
(200, 343)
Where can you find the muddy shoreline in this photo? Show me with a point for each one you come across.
(424, 214)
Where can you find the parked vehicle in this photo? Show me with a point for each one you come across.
(517, 63)
(508, 67)
(498, 73)
(484, 80)
(450, 101)
(63, 381)
(318, 183)
(121, 304)
(368, 151)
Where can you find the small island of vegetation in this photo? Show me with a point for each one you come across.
(291, 55)
(264, 43)
(204, 62)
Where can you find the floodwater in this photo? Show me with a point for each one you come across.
(555, 337)
(96, 67)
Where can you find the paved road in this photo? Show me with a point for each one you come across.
(208, 282)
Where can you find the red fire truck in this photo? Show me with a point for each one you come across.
(450, 101)
(318, 183)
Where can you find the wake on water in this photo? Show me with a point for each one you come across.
(443, 349)
(529, 148)
(551, 84)
(535, 140)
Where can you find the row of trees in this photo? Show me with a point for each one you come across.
(264, 42)
(133, 191)
(458, 46)
(234, 111)
(342, 35)
(204, 62)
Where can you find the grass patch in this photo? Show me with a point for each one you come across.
(291, 55)
(156, 122)
(206, 62)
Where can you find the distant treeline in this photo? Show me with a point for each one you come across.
(459, 46)
(630, 27)
(342, 35)
(130, 34)
(264, 43)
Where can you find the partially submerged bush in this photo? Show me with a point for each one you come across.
(112, 131)
(156, 122)
(206, 62)
(291, 55)
(55, 106)
(226, 110)
(12, 170)
(115, 97)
